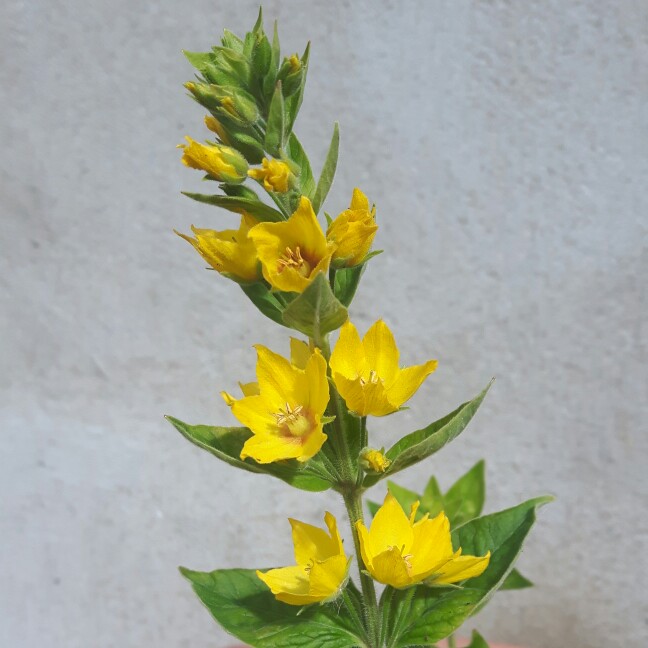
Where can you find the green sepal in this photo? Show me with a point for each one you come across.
(346, 283)
(419, 445)
(316, 311)
(199, 59)
(328, 419)
(515, 581)
(434, 613)
(239, 204)
(265, 300)
(244, 606)
(294, 102)
(297, 155)
(232, 41)
(226, 443)
(477, 641)
(240, 191)
(276, 127)
(328, 170)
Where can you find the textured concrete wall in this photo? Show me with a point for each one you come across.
(505, 145)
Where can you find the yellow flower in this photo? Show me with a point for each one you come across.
(300, 352)
(292, 252)
(231, 252)
(322, 568)
(285, 416)
(274, 174)
(366, 372)
(400, 552)
(221, 162)
(374, 460)
(353, 231)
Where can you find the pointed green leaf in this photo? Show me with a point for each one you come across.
(421, 444)
(347, 281)
(316, 311)
(297, 155)
(294, 102)
(265, 300)
(432, 499)
(328, 170)
(239, 204)
(245, 607)
(372, 507)
(276, 127)
(226, 443)
(435, 613)
(232, 41)
(477, 641)
(465, 498)
(515, 581)
(199, 59)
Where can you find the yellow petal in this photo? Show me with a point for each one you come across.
(268, 449)
(390, 568)
(299, 353)
(289, 584)
(359, 200)
(352, 393)
(254, 413)
(461, 568)
(381, 351)
(376, 400)
(312, 443)
(279, 381)
(228, 398)
(390, 528)
(316, 381)
(250, 389)
(408, 381)
(313, 543)
(327, 577)
(348, 357)
(431, 546)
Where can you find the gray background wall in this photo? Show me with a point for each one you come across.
(505, 145)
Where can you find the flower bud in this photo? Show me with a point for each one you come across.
(221, 162)
(291, 74)
(275, 175)
(374, 460)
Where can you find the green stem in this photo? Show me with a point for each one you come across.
(353, 502)
(346, 598)
(452, 643)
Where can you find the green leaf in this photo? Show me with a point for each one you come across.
(328, 170)
(347, 281)
(434, 613)
(232, 41)
(316, 311)
(239, 204)
(245, 607)
(477, 641)
(226, 443)
(515, 581)
(199, 59)
(293, 104)
(265, 300)
(276, 127)
(465, 498)
(405, 497)
(297, 154)
(239, 190)
(421, 444)
(432, 498)
(372, 507)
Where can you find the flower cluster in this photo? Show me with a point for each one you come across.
(304, 418)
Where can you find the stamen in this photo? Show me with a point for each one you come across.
(374, 378)
(293, 259)
(288, 415)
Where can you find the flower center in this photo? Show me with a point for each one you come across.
(294, 259)
(374, 378)
(293, 421)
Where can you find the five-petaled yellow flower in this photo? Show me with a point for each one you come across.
(400, 552)
(322, 568)
(353, 231)
(294, 251)
(285, 416)
(366, 372)
(231, 252)
(274, 174)
(221, 162)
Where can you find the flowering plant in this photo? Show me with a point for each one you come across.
(303, 420)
